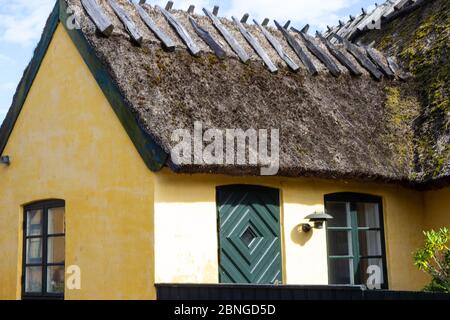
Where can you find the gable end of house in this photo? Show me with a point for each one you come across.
(151, 153)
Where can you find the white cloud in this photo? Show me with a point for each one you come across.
(22, 21)
(7, 86)
(6, 59)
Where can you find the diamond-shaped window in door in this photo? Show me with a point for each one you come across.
(248, 236)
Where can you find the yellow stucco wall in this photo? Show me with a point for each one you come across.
(68, 144)
(437, 208)
(186, 243)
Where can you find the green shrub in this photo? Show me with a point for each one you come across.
(434, 259)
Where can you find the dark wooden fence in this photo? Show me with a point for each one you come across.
(282, 292)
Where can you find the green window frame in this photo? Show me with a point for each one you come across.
(356, 240)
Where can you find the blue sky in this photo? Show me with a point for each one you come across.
(22, 21)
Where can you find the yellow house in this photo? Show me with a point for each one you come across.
(96, 202)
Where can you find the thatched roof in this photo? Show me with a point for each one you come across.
(332, 126)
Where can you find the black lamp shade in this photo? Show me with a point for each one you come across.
(319, 217)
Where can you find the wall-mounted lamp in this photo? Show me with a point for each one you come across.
(5, 160)
(317, 218)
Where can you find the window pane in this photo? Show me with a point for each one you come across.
(33, 279)
(341, 216)
(55, 250)
(368, 215)
(341, 271)
(34, 250)
(339, 243)
(55, 220)
(34, 223)
(373, 269)
(370, 243)
(55, 279)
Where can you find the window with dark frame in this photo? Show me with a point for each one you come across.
(356, 248)
(44, 250)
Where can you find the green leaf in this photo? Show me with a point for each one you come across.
(434, 259)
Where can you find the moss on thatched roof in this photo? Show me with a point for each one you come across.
(420, 40)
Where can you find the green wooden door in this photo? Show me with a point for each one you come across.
(249, 235)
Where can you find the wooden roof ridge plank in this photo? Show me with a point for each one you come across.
(168, 43)
(169, 5)
(363, 24)
(337, 28)
(375, 18)
(319, 53)
(345, 27)
(278, 47)
(98, 17)
(363, 60)
(191, 9)
(327, 32)
(256, 46)
(401, 4)
(244, 18)
(331, 31)
(354, 70)
(391, 8)
(181, 30)
(352, 26)
(405, 9)
(298, 50)
(215, 11)
(378, 16)
(305, 29)
(129, 24)
(208, 38)
(234, 44)
(374, 56)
